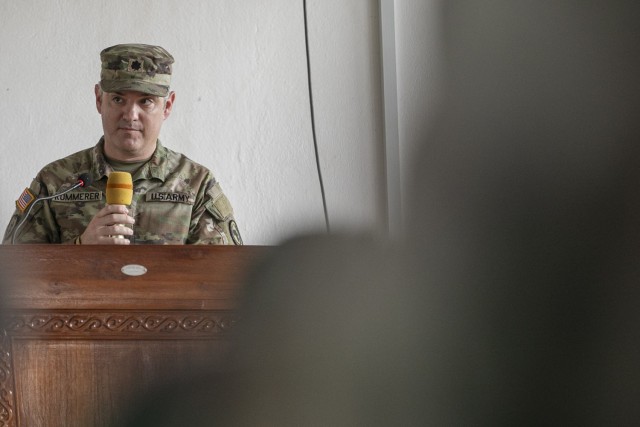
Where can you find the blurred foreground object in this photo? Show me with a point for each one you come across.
(514, 299)
(525, 210)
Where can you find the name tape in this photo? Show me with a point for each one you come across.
(84, 196)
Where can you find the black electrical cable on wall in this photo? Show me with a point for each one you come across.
(313, 121)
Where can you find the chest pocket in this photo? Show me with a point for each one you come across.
(162, 217)
(73, 211)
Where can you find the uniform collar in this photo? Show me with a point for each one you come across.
(154, 168)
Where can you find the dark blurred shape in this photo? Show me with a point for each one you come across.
(515, 299)
(332, 333)
(526, 210)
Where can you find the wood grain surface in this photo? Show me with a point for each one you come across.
(80, 341)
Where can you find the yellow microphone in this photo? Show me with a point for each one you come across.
(119, 190)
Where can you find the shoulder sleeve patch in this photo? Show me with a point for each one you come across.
(25, 200)
(235, 233)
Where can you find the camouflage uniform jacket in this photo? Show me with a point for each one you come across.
(175, 201)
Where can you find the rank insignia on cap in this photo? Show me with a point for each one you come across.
(135, 65)
(25, 199)
(235, 233)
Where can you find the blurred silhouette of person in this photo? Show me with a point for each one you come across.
(526, 211)
(513, 299)
(330, 335)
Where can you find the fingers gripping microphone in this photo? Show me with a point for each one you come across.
(84, 180)
(119, 190)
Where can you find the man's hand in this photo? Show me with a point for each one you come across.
(106, 225)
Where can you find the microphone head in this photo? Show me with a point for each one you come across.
(85, 179)
(119, 188)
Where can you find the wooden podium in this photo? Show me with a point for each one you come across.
(87, 330)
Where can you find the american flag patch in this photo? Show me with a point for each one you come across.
(25, 199)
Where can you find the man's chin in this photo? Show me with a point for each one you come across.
(129, 134)
(133, 145)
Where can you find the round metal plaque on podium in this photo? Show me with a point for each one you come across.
(134, 270)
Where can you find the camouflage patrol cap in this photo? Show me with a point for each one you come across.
(139, 67)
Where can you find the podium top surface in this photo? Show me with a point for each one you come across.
(109, 277)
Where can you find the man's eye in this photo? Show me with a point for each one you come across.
(146, 101)
(116, 99)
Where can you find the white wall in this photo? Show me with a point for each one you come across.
(242, 103)
(419, 61)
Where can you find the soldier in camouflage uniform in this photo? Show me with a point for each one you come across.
(175, 200)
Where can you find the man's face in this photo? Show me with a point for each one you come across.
(131, 122)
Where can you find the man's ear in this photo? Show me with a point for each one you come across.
(98, 93)
(168, 104)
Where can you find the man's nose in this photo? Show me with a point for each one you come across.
(130, 111)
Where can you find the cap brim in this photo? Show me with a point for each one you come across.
(133, 85)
